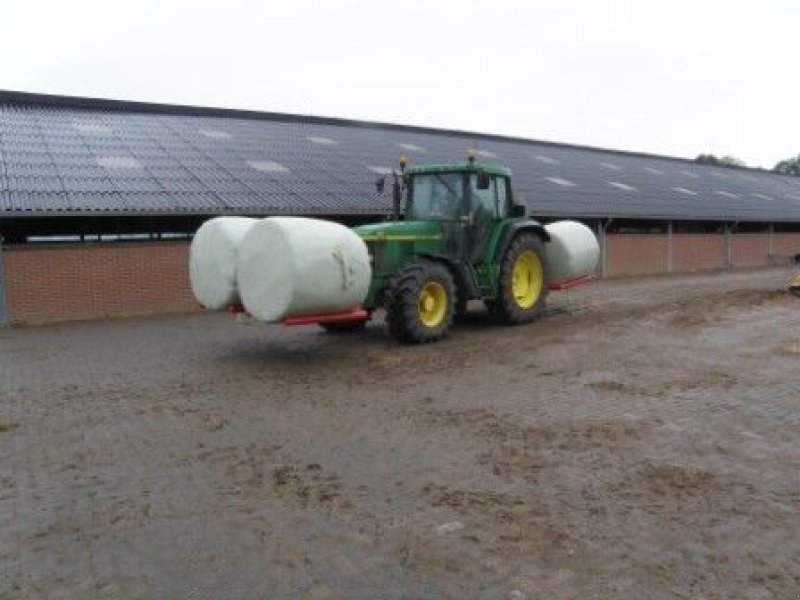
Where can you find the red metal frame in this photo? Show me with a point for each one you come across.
(357, 314)
(237, 309)
(567, 284)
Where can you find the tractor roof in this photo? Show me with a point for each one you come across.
(459, 168)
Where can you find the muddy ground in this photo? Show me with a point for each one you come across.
(640, 441)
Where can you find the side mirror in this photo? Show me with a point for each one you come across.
(484, 181)
(518, 210)
(380, 184)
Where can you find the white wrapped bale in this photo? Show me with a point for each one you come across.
(291, 266)
(572, 251)
(212, 260)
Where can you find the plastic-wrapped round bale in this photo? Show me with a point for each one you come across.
(212, 260)
(292, 266)
(572, 251)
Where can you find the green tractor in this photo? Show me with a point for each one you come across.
(463, 237)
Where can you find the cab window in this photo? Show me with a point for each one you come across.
(436, 196)
(502, 197)
(484, 202)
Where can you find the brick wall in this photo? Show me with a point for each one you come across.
(635, 254)
(55, 283)
(750, 249)
(785, 244)
(699, 251)
(642, 254)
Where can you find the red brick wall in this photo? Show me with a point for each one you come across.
(54, 283)
(785, 244)
(641, 254)
(750, 249)
(699, 251)
(635, 254)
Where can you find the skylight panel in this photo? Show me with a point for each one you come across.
(622, 186)
(409, 147)
(682, 190)
(322, 141)
(267, 166)
(118, 162)
(560, 181)
(92, 128)
(380, 170)
(215, 134)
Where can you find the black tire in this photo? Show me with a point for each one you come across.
(404, 315)
(506, 306)
(346, 327)
(460, 304)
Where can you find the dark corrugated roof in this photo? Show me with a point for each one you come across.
(61, 155)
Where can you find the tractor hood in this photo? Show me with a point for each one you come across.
(401, 231)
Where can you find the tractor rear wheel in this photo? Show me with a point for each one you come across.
(521, 290)
(420, 303)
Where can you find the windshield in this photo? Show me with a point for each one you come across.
(436, 196)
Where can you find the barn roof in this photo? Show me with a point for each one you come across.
(82, 156)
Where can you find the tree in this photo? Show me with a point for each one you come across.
(790, 166)
(723, 161)
(707, 159)
(731, 161)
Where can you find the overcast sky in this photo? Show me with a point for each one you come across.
(673, 77)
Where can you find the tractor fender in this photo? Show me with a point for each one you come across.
(514, 229)
(463, 279)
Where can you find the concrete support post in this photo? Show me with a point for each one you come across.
(601, 239)
(669, 247)
(729, 227)
(770, 235)
(3, 311)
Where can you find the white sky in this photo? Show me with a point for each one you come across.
(673, 77)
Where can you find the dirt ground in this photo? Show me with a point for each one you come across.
(639, 441)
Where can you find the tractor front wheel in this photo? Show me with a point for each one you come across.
(420, 303)
(521, 289)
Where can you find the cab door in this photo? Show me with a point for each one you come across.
(485, 208)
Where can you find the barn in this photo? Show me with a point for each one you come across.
(99, 198)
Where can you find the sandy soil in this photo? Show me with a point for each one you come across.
(639, 441)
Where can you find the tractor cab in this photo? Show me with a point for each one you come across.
(455, 235)
(467, 199)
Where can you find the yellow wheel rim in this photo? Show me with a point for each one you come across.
(432, 304)
(527, 279)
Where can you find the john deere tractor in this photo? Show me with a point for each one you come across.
(461, 237)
